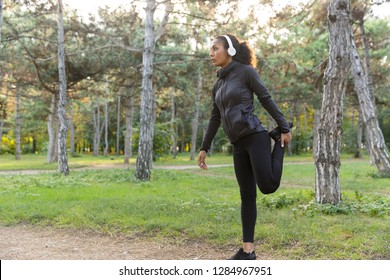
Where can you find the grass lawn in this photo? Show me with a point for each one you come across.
(204, 205)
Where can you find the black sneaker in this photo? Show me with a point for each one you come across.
(275, 133)
(241, 255)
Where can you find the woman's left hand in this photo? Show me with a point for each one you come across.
(285, 138)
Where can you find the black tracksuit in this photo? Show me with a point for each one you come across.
(233, 96)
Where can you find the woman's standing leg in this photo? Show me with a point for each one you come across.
(248, 192)
(247, 184)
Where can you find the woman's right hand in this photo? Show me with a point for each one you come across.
(201, 160)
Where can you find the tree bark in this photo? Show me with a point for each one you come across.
(63, 167)
(378, 150)
(147, 113)
(327, 159)
(145, 147)
(18, 124)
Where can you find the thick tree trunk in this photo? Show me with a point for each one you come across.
(195, 119)
(63, 167)
(145, 147)
(327, 159)
(378, 150)
(147, 113)
(367, 59)
(18, 124)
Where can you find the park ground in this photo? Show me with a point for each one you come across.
(25, 241)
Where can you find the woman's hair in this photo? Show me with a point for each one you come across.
(244, 52)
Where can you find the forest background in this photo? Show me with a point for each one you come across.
(104, 73)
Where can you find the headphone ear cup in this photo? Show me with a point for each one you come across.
(231, 51)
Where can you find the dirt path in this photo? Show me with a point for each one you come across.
(46, 243)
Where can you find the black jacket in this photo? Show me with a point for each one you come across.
(233, 104)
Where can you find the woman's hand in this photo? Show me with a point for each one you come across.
(285, 138)
(201, 160)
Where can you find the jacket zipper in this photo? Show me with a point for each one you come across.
(224, 118)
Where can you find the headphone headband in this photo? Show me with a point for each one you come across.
(231, 50)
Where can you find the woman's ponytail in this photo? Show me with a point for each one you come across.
(245, 54)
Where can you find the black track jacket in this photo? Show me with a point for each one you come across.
(233, 104)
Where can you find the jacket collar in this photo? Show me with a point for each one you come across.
(223, 72)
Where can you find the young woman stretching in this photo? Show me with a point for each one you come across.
(254, 163)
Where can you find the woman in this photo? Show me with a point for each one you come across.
(233, 107)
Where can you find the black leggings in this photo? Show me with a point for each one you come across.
(255, 164)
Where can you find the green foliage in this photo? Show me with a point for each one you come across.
(291, 48)
(372, 205)
(282, 200)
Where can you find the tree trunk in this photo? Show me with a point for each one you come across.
(315, 129)
(51, 131)
(71, 130)
(129, 109)
(195, 120)
(378, 150)
(106, 122)
(118, 125)
(3, 112)
(173, 126)
(1, 20)
(96, 126)
(147, 113)
(359, 134)
(145, 147)
(327, 159)
(63, 167)
(183, 139)
(18, 125)
(367, 59)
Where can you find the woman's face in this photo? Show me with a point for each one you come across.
(218, 54)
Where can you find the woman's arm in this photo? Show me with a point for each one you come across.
(258, 87)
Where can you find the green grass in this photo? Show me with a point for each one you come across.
(38, 162)
(204, 205)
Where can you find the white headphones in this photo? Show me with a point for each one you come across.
(231, 50)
